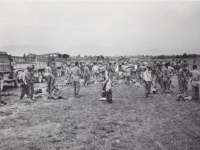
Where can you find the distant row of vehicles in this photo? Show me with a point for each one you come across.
(11, 66)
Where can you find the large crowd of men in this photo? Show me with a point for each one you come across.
(150, 73)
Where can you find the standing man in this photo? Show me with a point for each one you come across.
(27, 84)
(171, 72)
(165, 78)
(48, 69)
(95, 72)
(141, 70)
(107, 87)
(195, 82)
(110, 70)
(54, 69)
(128, 74)
(76, 73)
(147, 78)
(184, 75)
(124, 66)
(86, 75)
(116, 69)
(158, 75)
(68, 73)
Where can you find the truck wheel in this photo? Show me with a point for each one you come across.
(1, 85)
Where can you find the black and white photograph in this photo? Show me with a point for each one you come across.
(99, 75)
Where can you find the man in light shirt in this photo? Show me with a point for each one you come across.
(116, 69)
(107, 87)
(95, 72)
(147, 78)
(76, 73)
(171, 72)
(68, 73)
(165, 78)
(195, 82)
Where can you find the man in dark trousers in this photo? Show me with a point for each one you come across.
(165, 78)
(184, 75)
(28, 84)
(54, 69)
(195, 82)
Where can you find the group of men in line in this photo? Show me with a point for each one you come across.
(165, 73)
(152, 73)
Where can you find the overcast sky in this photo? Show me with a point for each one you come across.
(93, 28)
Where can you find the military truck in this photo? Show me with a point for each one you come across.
(7, 73)
(59, 59)
(38, 61)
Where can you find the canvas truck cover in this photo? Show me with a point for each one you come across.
(4, 62)
(22, 65)
(59, 62)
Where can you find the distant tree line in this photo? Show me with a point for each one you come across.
(185, 55)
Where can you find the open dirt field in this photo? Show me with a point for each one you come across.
(132, 122)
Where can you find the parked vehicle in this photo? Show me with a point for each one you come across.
(60, 60)
(7, 72)
(39, 62)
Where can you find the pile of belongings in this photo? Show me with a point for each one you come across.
(2, 103)
(137, 84)
(91, 81)
(103, 95)
(121, 75)
(56, 95)
(154, 91)
(182, 97)
(37, 91)
(133, 80)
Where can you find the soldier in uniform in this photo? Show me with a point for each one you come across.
(107, 87)
(76, 73)
(95, 72)
(54, 69)
(195, 82)
(147, 78)
(28, 83)
(158, 75)
(184, 75)
(68, 73)
(128, 73)
(110, 70)
(49, 77)
(165, 78)
(86, 75)
(171, 72)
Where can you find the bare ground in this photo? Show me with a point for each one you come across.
(132, 122)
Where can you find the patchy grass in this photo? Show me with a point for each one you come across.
(131, 122)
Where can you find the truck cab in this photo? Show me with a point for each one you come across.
(7, 72)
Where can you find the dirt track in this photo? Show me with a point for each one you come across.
(131, 122)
